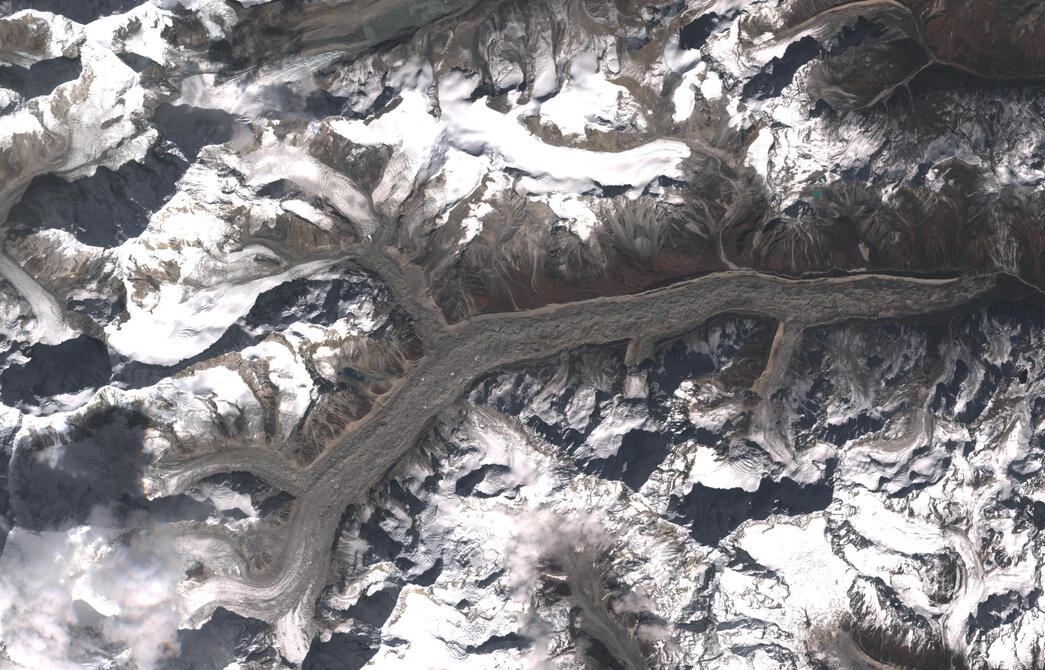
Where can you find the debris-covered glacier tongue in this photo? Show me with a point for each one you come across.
(559, 334)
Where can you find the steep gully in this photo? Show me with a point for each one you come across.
(456, 355)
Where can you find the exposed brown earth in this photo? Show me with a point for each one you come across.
(992, 38)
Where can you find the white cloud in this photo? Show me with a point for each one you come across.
(87, 596)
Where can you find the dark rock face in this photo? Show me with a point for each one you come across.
(74, 365)
(890, 632)
(99, 462)
(192, 128)
(314, 301)
(301, 300)
(39, 78)
(342, 652)
(226, 638)
(105, 209)
(134, 374)
(780, 72)
(713, 514)
(640, 453)
(695, 33)
(112, 206)
(466, 484)
(374, 609)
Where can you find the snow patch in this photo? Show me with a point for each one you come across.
(588, 100)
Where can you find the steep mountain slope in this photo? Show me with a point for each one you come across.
(521, 333)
